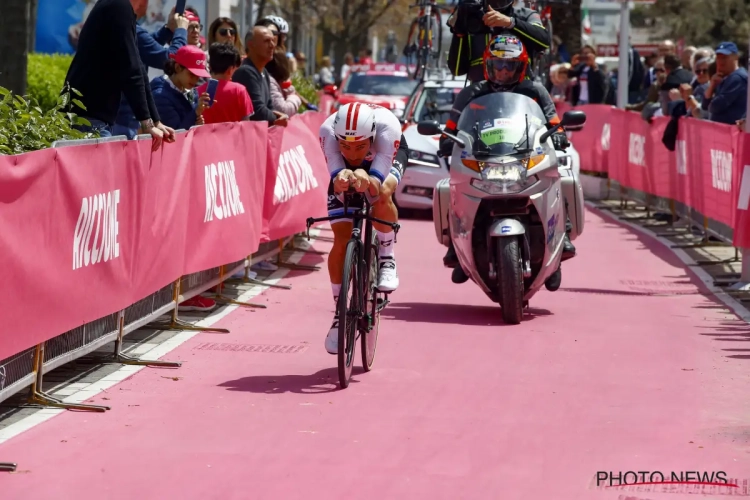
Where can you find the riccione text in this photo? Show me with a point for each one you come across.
(95, 236)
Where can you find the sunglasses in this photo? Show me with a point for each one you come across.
(701, 71)
(506, 65)
(195, 27)
(227, 32)
(274, 33)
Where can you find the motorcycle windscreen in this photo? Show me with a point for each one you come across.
(505, 122)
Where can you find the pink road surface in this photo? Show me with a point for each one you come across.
(628, 367)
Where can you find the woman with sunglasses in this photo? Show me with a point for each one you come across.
(224, 30)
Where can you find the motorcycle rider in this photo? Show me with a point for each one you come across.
(475, 25)
(505, 63)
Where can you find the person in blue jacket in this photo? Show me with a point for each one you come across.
(726, 96)
(174, 94)
(154, 54)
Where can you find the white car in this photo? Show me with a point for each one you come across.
(431, 100)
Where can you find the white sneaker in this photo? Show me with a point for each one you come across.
(387, 276)
(332, 339)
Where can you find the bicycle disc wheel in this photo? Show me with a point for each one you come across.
(370, 339)
(348, 307)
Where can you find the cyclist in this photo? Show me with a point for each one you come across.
(505, 65)
(364, 149)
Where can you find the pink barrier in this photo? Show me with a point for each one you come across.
(93, 229)
(708, 171)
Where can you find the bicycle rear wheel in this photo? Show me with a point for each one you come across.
(370, 338)
(413, 49)
(348, 308)
(436, 31)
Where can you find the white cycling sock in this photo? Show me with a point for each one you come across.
(386, 244)
(336, 289)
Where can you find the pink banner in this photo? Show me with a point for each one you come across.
(227, 184)
(710, 155)
(301, 182)
(661, 172)
(275, 137)
(70, 216)
(742, 188)
(592, 142)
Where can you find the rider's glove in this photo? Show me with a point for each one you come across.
(445, 146)
(312, 107)
(560, 141)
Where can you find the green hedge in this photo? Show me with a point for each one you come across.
(27, 127)
(46, 77)
(306, 88)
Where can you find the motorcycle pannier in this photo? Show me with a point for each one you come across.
(441, 202)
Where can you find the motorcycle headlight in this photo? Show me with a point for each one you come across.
(499, 178)
(418, 158)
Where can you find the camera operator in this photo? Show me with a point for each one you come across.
(473, 24)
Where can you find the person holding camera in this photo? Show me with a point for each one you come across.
(474, 24)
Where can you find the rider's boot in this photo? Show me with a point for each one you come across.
(569, 250)
(450, 259)
(459, 276)
(387, 274)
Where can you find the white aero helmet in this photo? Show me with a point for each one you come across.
(354, 122)
(280, 23)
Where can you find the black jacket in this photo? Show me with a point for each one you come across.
(597, 83)
(466, 51)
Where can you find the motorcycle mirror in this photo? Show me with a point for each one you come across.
(429, 127)
(573, 119)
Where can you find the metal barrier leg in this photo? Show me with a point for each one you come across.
(8, 466)
(175, 323)
(246, 279)
(705, 241)
(38, 396)
(304, 250)
(736, 258)
(289, 265)
(226, 300)
(120, 357)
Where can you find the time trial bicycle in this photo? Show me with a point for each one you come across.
(360, 302)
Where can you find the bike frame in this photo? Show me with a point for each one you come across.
(363, 251)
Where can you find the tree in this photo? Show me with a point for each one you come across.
(344, 25)
(16, 32)
(566, 24)
(704, 23)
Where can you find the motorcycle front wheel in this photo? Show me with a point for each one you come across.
(510, 279)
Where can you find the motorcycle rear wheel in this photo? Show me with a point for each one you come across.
(510, 279)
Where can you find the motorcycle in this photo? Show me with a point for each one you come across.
(504, 205)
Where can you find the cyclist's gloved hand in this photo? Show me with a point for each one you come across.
(560, 141)
(312, 107)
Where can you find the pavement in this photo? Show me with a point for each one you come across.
(634, 364)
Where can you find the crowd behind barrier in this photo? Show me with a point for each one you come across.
(707, 176)
(104, 236)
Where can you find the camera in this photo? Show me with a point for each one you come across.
(469, 14)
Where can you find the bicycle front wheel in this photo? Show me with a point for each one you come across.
(348, 308)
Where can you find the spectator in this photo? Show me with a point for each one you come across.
(178, 105)
(706, 53)
(194, 28)
(704, 69)
(231, 102)
(325, 75)
(279, 27)
(253, 75)
(153, 54)
(365, 56)
(224, 30)
(686, 58)
(301, 62)
(726, 95)
(650, 105)
(283, 95)
(666, 48)
(676, 76)
(107, 65)
(561, 84)
(347, 66)
(591, 87)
